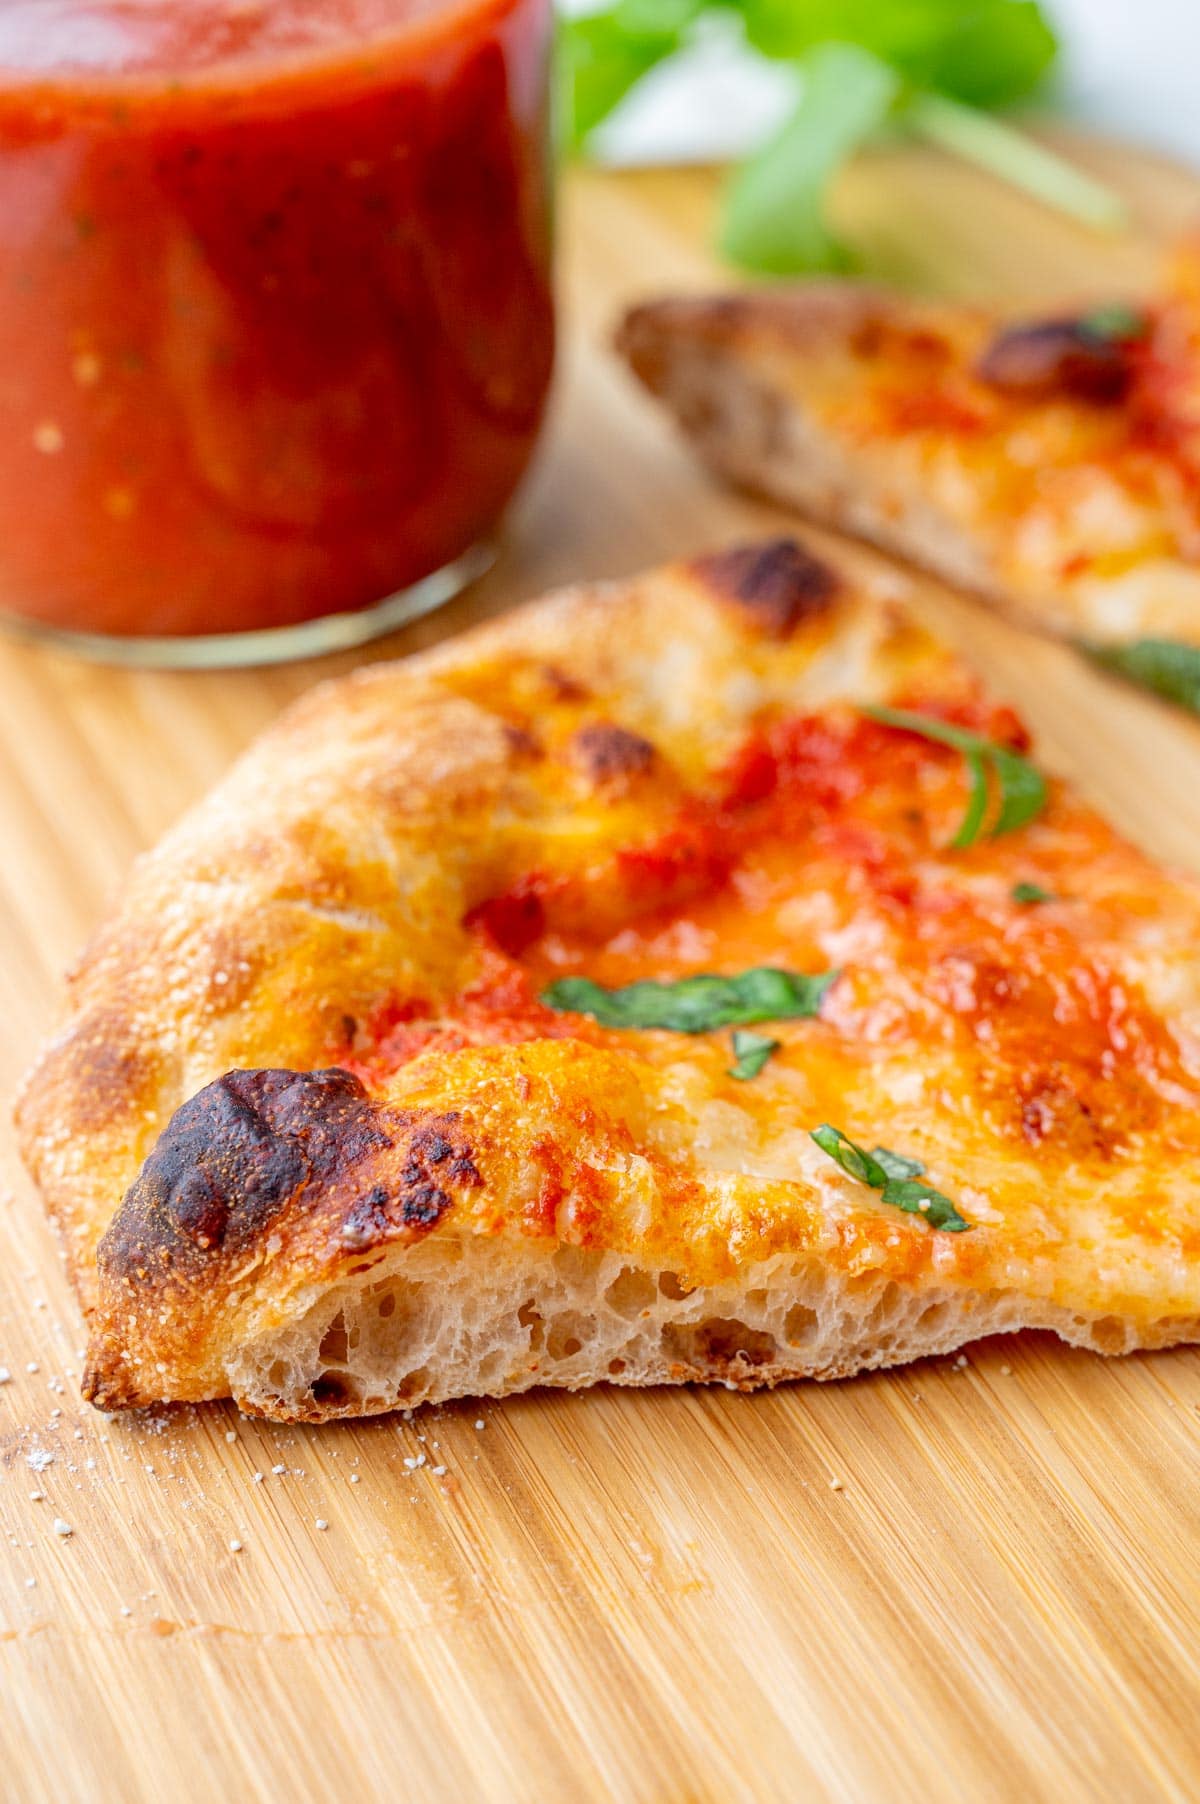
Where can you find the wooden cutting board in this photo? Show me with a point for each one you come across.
(658, 1597)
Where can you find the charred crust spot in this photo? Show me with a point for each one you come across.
(438, 1161)
(1056, 358)
(423, 1205)
(367, 1223)
(201, 1212)
(235, 1156)
(231, 1158)
(777, 586)
(611, 756)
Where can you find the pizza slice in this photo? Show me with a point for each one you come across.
(1051, 466)
(694, 978)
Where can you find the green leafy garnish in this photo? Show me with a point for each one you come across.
(894, 1176)
(605, 54)
(695, 1005)
(1114, 324)
(1028, 893)
(1022, 788)
(775, 218)
(862, 68)
(895, 1165)
(983, 52)
(1168, 668)
(751, 1052)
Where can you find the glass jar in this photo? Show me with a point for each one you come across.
(276, 320)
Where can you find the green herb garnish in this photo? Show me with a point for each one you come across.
(1022, 786)
(694, 1005)
(934, 69)
(1114, 324)
(1028, 893)
(894, 1176)
(1168, 668)
(751, 1052)
(606, 54)
(775, 218)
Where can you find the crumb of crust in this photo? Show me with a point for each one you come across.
(837, 1484)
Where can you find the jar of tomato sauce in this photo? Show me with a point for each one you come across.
(276, 323)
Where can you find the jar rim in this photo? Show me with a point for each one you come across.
(239, 76)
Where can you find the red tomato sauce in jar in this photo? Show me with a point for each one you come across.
(276, 325)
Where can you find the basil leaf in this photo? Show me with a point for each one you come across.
(896, 1165)
(853, 1159)
(1022, 786)
(775, 215)
(1028, 893)
(990, 54)
(984, 52)
(1022, 791)
(977, 802)
(605, 54)
(893, 1176)
(1169, 668)
(922, 1199)
(695, 1005)
(751, 1052)
(925, 67)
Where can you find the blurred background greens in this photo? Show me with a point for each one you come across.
(809, 82)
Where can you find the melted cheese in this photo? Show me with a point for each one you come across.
(1070, 498)
(1023, 1053)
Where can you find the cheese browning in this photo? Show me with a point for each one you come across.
(399, 1174)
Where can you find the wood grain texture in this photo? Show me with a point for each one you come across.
(654, 1597)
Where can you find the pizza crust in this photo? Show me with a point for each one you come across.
(481, 1320)
(495, 1216)
(819, 397)
(370, 1307)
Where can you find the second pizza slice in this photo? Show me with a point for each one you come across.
(1049, 464)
